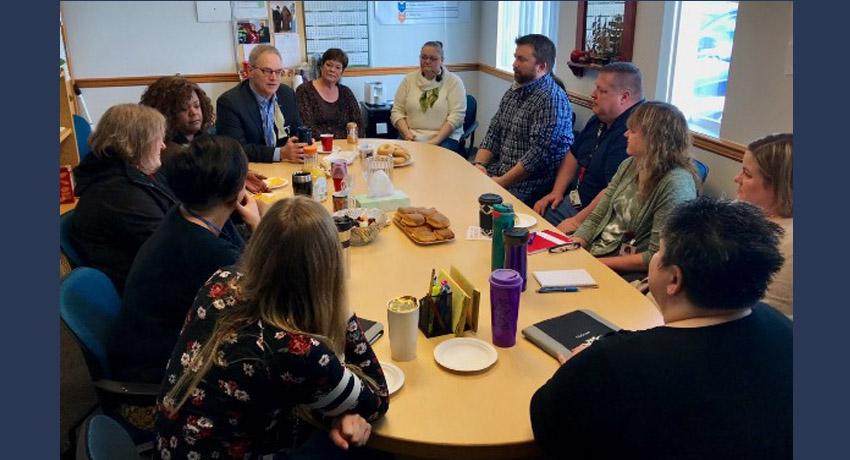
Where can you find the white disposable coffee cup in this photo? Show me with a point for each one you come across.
(402, 319)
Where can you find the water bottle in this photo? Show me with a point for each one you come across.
(503, 218)
(516, 252)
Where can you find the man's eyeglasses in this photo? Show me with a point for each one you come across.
(428, 58)
(269, 72)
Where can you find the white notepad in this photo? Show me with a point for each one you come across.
(577, 278)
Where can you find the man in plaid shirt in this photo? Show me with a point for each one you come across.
(532, 130)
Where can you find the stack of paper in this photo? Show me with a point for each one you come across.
(577, 278)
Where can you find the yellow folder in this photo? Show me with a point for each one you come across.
(465, 299)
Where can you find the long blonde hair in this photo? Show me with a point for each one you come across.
(665, 131)
(293, 279)
(773, 155)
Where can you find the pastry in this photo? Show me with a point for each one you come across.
(399, 160)
(444, 233)
(423, 234)
(408, 210)
(426, 211)
(412, 220)
(437, 220)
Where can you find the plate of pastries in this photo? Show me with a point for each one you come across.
(424, 225)
(401, 157)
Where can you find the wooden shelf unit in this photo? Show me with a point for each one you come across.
(69, 153)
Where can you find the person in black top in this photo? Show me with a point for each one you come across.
(188, 113)
(714, 382)
(195, 239)
(123, 194)
(272, 335)
(597, 151)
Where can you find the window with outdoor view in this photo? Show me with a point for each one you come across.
(702, 55)
(521, 18)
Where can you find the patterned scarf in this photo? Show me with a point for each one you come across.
(430, 90)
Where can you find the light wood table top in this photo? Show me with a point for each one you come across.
(437, 413)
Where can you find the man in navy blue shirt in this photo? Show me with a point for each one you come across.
(598, 150)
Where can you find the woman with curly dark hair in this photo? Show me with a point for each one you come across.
(187, 108)
(188, 112)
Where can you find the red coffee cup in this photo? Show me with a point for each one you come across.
(327, 142)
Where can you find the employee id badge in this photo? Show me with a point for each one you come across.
(575, 199)
(627, 249)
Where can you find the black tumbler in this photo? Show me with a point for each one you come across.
(485, 212)
(304, 134)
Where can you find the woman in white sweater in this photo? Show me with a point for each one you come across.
(430, 104)
(765, 181)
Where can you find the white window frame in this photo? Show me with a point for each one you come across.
(516, 19)
(707, 127)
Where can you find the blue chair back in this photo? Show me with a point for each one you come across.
(65, 240)
(702, 169)
(83, 131)
(103, 438)
(89, 305)
(471, 112)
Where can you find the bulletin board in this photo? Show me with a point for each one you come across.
(276, 23)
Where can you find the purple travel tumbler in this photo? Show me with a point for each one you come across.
(505, 289)
(516, 252)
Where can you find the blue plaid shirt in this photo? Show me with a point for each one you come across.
(533, 125)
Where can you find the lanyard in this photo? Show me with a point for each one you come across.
(211, 226)
(599, 131)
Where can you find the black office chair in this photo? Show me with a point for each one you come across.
(469, 125)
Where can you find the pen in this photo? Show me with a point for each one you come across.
(546, 289)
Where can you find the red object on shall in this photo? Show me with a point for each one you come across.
(66, 185)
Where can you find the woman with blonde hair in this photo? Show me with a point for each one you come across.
(123, 195)
(622, 230)
(766, 181)
(269, 335)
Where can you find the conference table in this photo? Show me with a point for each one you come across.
(440, 413)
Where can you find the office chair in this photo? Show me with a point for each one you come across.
(89, 306)
(702, 169)
(65, 240)
(102, 438)
(469, 125)
(83, 131)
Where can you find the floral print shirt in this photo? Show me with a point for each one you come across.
(241, 407)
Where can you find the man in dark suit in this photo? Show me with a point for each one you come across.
(261, 113)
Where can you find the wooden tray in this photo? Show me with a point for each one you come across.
(407, 231)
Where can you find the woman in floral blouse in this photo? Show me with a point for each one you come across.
(268, 336)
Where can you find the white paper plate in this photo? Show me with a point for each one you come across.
(394, 376)
(524, 221)
(465, 354)
(276, 182)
